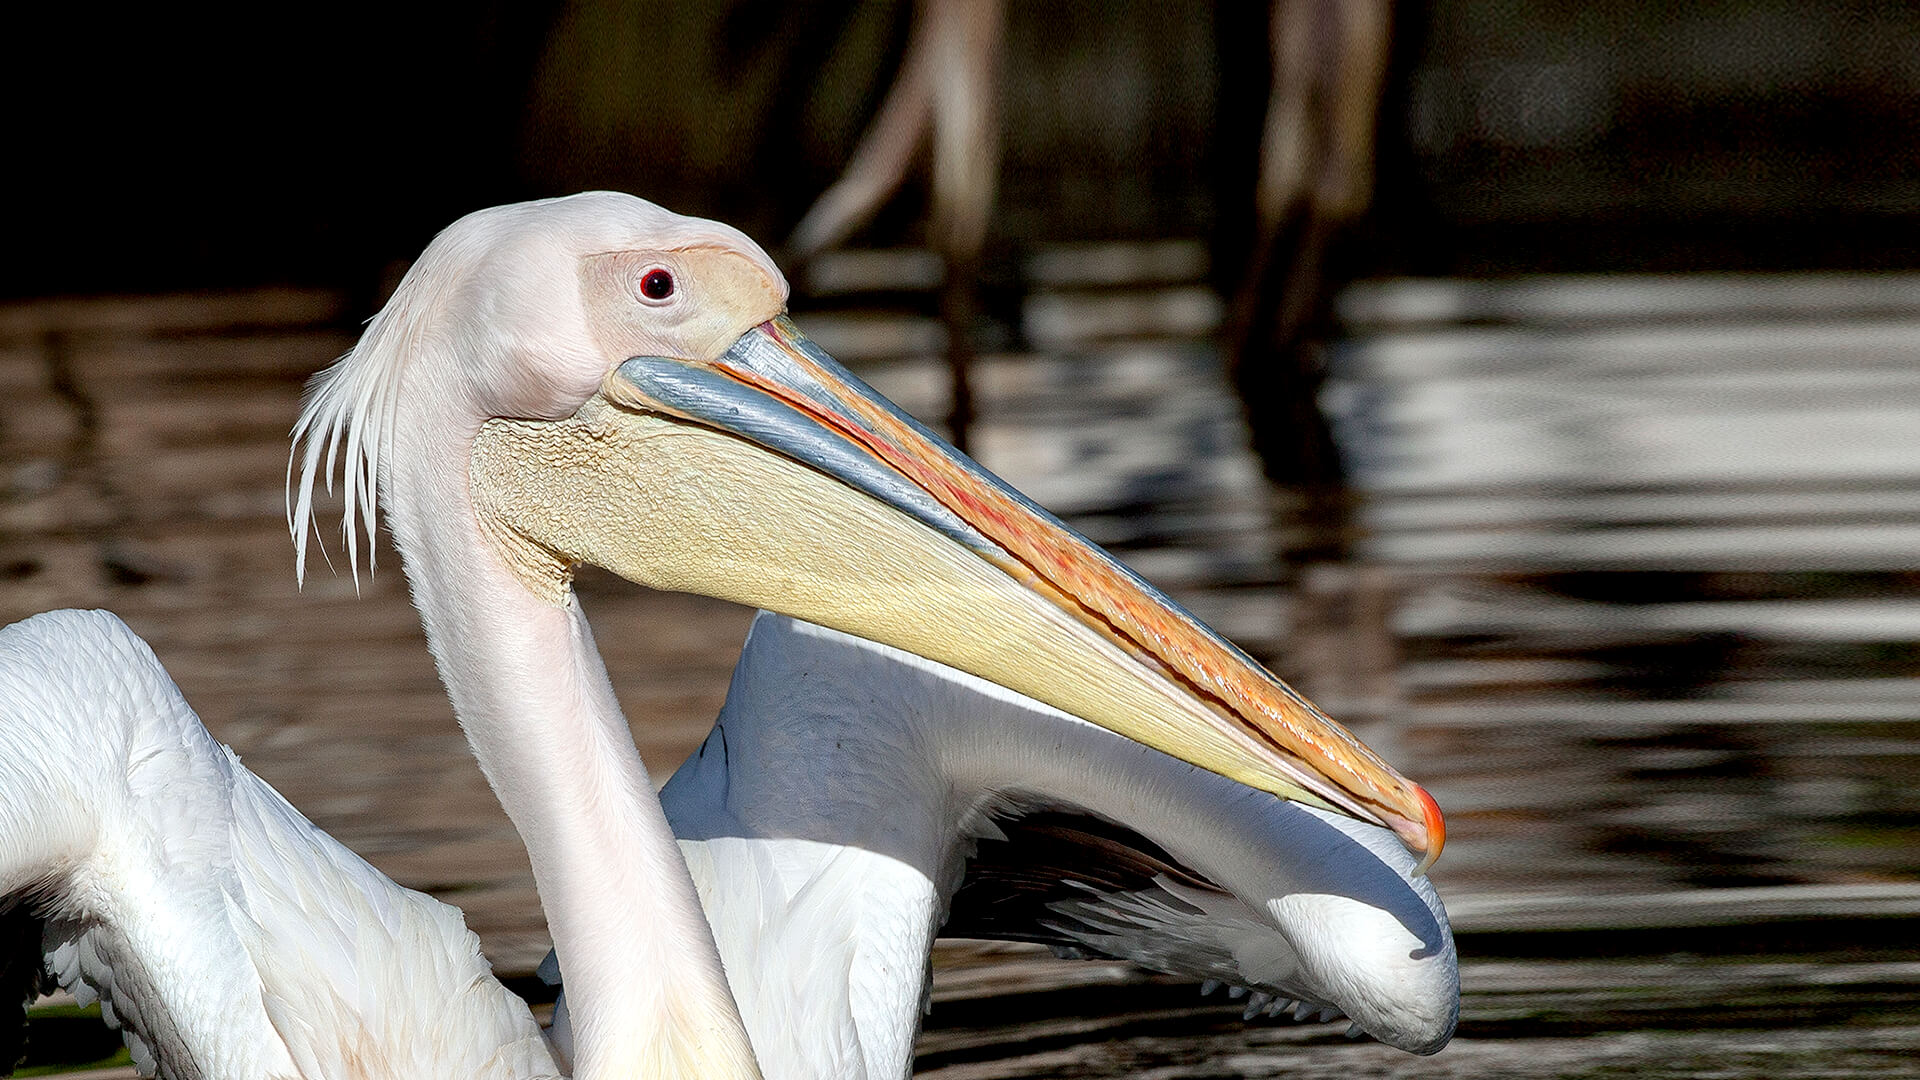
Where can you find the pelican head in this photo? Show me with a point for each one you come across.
(623, 388)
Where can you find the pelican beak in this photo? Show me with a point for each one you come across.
(774, 477)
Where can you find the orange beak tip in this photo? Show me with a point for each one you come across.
(1436, 829)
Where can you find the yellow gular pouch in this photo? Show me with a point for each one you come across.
(676, 506)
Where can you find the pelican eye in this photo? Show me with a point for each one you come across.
(656, 285)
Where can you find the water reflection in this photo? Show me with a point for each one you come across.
(1662, 531)
(1629, 585)
(1628, 580)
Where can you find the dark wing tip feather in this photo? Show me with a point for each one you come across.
(1050, 857)
(23, 978)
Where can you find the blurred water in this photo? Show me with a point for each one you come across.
(1658, 535)
(1631, 577)
(1629, 583)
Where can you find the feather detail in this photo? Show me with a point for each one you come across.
(350, 407)
(779, 903)
(1093, 888)
(337, 944)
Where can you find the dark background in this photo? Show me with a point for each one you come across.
(156, 149)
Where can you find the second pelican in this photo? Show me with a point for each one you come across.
(853, 800)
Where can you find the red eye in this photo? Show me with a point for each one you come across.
(657, 285)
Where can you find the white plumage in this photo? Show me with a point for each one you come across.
(847, 801)
(852, 796)
(219, 929)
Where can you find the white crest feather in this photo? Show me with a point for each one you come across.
(352, 403)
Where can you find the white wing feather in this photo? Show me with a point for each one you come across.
(225, 934)
(359, 976)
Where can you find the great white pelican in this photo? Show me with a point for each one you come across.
(596, 380)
